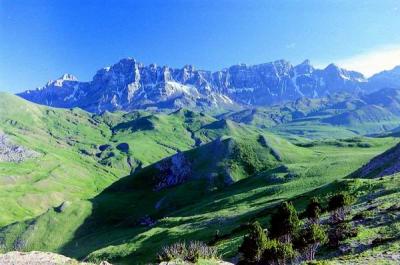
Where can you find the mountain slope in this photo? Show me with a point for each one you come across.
(385, 164)
(63, 168)
(187, 176)
(385, 79)
(49, 156)
(345, 114)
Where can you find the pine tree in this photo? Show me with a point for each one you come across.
(253, 244)
(313, 211)
(285, 223)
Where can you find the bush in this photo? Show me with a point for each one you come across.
(338, 205)
(253, 244)
(310, 239)
(189, 252)
(277, 253)
(285, 223)
(341, 232)
(313, 210)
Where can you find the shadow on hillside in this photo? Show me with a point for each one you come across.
(125, 212)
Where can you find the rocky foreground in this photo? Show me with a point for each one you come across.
(39, 258)
(48, 258)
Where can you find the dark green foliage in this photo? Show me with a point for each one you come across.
(339, 200)
(253, 244)
(277, 253)
(313, 210)
(310, 239)
(338, 205)
(340, 232)
(285, 223)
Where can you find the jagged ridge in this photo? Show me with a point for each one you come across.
(129, 85)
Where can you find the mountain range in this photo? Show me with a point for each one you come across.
(129, 85)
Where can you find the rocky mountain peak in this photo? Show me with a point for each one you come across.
(304, 68)
(332, 68)
(68, 77)
(59, 82)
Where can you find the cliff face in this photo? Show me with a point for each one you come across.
(129, 84)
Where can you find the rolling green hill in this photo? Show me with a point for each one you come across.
(64, 169)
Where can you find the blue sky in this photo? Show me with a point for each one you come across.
(40, 40)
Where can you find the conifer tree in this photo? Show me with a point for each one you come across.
(313, 211)
(285, 223)
(253, 244)
(339, 230)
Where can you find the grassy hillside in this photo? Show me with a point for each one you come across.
(79, 153)
(119, 186)
(63, 171)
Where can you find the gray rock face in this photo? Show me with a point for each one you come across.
(173, 171)
(129, 85)
(10, 152)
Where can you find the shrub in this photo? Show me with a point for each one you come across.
(341, 232)
(313, 210)
(277, 253)
(189, 252)
(253, 244)
(338, 206)
(310, 239)
(285, 223)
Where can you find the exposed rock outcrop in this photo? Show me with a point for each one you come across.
(173, 171)
(39, 258)
(11, 152)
